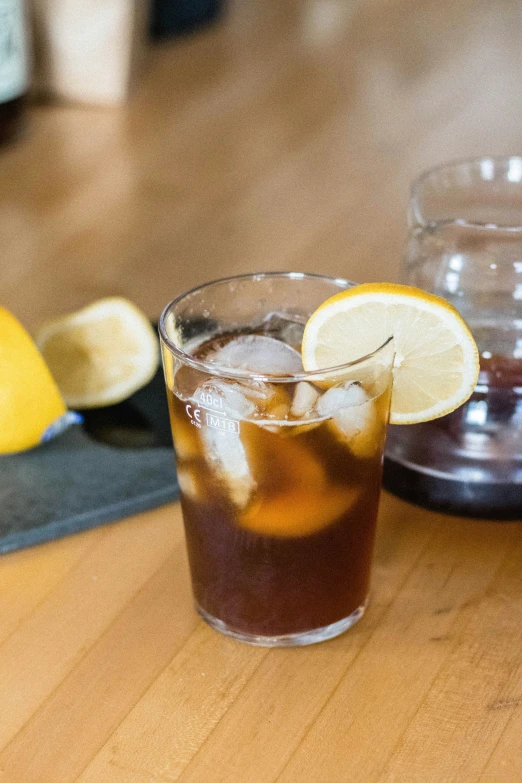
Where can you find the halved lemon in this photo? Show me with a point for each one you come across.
(100, 355)
(29, 398)
(436, 359)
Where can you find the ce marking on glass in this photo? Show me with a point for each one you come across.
(194, 415)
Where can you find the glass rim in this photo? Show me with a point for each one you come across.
(237, 374)
(420, 181)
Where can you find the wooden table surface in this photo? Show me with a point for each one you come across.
(284, 138)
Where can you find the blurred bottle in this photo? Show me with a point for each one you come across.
(175, 17)
(13, 68)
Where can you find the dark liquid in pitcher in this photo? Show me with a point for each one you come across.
(291, 550)
(469, 462)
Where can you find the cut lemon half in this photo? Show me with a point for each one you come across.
(29, 398)
(100, 355)
(436, 359)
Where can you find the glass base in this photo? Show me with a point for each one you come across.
(287, 640)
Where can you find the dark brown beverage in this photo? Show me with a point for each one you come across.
(469, 462)
(279, 468)
(279, 499)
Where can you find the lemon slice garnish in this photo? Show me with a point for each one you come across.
(436, 359)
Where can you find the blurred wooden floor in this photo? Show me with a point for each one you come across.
(284, 138)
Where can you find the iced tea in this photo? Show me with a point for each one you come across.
(280, 482)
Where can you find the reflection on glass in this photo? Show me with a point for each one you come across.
(465, 244)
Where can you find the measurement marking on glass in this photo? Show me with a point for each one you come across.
(210, 402)
(225, 425)
(211, 410)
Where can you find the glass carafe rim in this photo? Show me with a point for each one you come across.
(497, 161)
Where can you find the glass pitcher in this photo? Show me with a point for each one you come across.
(465, 244)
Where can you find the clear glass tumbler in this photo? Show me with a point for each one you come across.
(465, 244)
(279, 469)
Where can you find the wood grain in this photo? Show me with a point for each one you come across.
(280, 691)
(284, 137)
(51, 641)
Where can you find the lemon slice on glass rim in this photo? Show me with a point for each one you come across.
(436, 359)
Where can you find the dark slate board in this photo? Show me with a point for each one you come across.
(120, 462)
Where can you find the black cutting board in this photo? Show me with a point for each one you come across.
(119, 462)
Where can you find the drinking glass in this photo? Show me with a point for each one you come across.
(465, 244)
(279, 469)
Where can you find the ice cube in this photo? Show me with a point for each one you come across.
(238, 400)
(357, 419)
(188, 483)
(277, 414)
(260, 393)
(226, 455)
(286, 327)
(275, 411)
(259, 354)
(225, 398)
(305, 397)
(354, 418)
(339, 397)
(227, 401)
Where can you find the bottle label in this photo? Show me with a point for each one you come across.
(13, 55)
